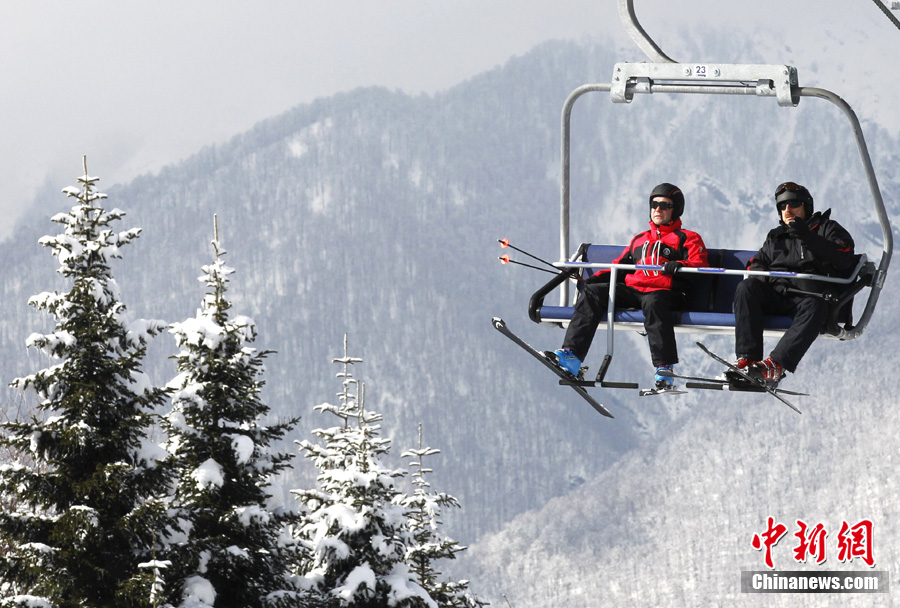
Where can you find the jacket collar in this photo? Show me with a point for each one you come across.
(666, 228)
(813, 221)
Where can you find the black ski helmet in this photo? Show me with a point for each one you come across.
(789, 191)
(673, 192)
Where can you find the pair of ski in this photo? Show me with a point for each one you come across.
(746, 382)
(749, 383)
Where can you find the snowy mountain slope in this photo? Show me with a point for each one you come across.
(376, 213)
(671, 524)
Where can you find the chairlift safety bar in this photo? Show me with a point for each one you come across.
(614, 268)
(720, 271)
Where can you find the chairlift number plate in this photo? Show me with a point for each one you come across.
(702, 71)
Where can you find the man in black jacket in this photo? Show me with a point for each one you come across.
(804, 242)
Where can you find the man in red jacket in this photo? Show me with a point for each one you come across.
(656, 292)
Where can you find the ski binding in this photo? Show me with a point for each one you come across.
(669, 390)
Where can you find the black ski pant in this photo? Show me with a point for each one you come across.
(657, 307)
(755, 298)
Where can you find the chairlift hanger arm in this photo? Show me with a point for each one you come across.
(565, 156)
(887, 12)
(883, 220)
(639, 35)
(881, 212)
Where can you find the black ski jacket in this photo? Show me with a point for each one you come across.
(825, 248)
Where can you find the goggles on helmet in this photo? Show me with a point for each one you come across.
(788, 187)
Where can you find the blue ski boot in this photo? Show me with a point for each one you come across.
(567, 360)
(663, 382)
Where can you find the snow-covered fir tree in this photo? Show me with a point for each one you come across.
(355, 527)
(429, 545)
(231, 548)
(9, 454)
(86, 511)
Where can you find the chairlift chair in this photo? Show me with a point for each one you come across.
(709, 310)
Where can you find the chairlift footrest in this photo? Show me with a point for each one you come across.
(592, 383)
(586, 383)
(620, 385)
(705, 385)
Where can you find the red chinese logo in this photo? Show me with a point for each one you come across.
(769, 539)
(852, 541)
(811, 542)
(856, 541)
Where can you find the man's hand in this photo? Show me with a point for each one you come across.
(671, 268)
(799, 228)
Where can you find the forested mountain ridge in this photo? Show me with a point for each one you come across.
(376, 213)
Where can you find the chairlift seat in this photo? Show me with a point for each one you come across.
(710, 304)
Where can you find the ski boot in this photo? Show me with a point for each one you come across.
(769, 371)
(664, 382)
(743, 363)
(567, 360)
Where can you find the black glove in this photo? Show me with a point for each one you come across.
(799, 228)
(835, 252)
(671, 268)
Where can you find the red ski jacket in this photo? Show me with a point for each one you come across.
(657, 246)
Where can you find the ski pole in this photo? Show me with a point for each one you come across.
(504, 243)
(573, 272)
(505, 259)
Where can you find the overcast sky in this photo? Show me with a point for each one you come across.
(139, 85)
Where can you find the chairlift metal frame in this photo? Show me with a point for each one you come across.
(664, 75)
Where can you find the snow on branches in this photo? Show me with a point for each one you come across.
(234, 546)
(367, 542)
(87, 490)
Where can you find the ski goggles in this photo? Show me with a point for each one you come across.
(788, 187)
(662, 205)
(789, 191)
(793, 204)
